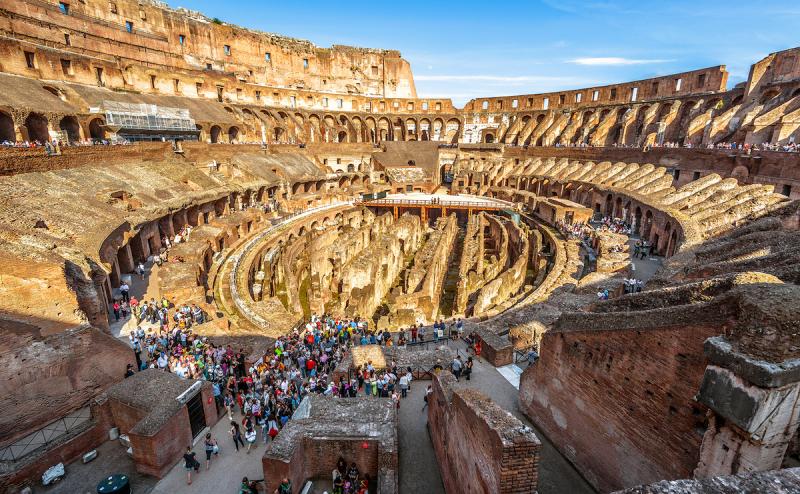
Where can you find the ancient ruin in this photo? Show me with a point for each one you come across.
(624, 281)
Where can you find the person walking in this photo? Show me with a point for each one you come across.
(468, 368)
(427, 396)
(124, 291)
(211, 448)
(404, 385)
(236, 434)
(190, 463)
(250, 435)
(457, 366)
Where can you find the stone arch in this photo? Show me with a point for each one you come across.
(424, 130)
(36, 128)
(609, 211)
(637, 220)
(454, 131)
(297, 188)
(7, 132)
(647, 225)
(214, 133)
(769, 96)
(384, 129)
(438, 129)
(672, 246)
(69, 125)
(740, 172)
(233, 134)
(371, 126)
(96, 130)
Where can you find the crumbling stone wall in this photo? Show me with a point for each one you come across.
(423, 280)
(368, 277)
(480, 447)
(510, 280)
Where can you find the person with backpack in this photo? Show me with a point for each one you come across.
(190, 463)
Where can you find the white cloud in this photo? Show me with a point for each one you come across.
(615, 61)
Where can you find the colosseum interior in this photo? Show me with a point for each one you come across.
(624, 283)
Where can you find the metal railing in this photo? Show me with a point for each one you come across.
(423, 202)
(49, 434)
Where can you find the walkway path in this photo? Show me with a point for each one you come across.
(142, 290)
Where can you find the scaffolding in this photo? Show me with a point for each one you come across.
(141, 116)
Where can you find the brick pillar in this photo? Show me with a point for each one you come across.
(125, 258)
(754, 411)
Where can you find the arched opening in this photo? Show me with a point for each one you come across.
(233, 135)
(69, 125)
(637, 220)
(351, 168)
(768, 96)
(342, 136)
(489, 138)
(7, 128)
(648, 224)
(609, 202)
(673, 243)
(214, 133)
(36, 126)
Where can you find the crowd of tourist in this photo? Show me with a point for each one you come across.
(265, 394)
(55, 145)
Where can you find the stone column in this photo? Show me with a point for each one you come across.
(754, 411)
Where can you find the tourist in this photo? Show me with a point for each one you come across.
(468, 368)
(352, 473)
(190, 463)
(285, 487)
(457, 366)
(248, 486)
(250, 436)
(129, 371)
(236, 434)
(428, 393)
(140, 270)
(404, 380)
(124, 290)
(212, 448)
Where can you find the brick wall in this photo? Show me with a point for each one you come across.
(480, 447)
(156, 455)
(65, 452)
(497, 350)
(321, 454)
(619, 403)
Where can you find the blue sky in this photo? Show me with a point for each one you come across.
(470, 49)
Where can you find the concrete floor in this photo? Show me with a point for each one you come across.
(142, 290)
(226, 471)
(111, 459)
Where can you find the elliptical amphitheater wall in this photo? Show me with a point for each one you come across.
(69, 231)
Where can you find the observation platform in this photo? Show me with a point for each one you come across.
(439, 202)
